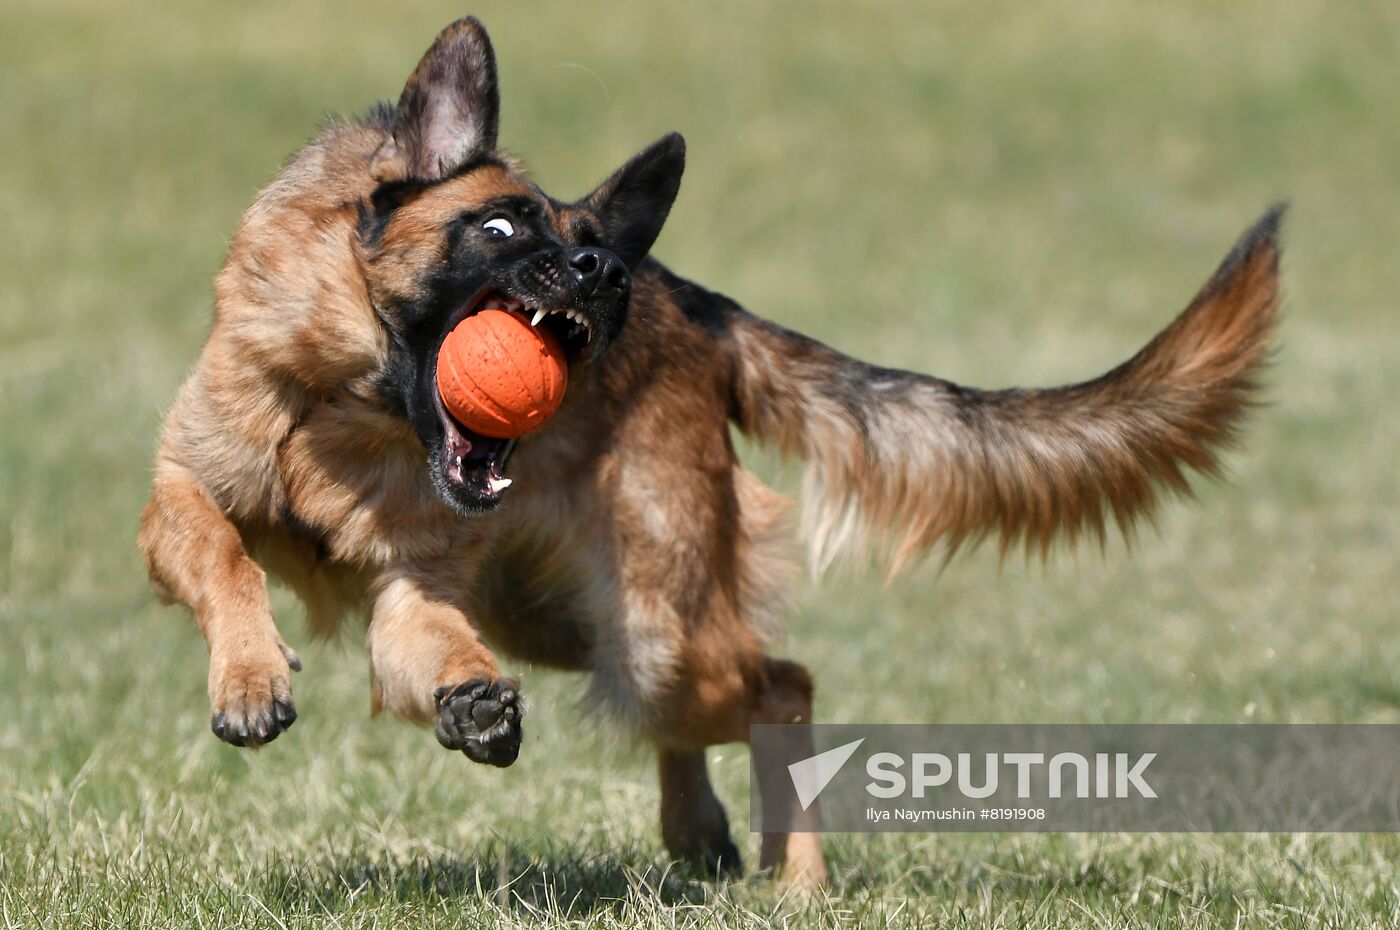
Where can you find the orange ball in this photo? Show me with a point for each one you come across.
(499, 376)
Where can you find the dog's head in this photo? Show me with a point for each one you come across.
(453, 227)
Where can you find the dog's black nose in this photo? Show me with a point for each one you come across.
(599, 273)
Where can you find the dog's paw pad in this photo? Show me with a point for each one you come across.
(482, 719)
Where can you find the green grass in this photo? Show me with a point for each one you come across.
(998, 193)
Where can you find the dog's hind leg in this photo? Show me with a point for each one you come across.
(430, 666)
(785, 697)
(710, 707)
(693, 824)
(195, 555)
(699, 575)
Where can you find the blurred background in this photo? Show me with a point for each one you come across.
(992, 192)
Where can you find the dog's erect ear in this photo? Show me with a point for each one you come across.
(449, 110)
(634, 202)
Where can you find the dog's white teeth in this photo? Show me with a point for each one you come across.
(539, 315)
(497, 485)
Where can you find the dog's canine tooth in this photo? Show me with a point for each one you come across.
(540, 314)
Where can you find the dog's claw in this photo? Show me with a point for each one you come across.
(285, 713)
(293, 660)
(482, 719)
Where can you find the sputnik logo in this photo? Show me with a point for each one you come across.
(813, 774)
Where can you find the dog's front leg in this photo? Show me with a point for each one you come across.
(194, 554)
(430, 666)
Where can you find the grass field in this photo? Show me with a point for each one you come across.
(998, 193)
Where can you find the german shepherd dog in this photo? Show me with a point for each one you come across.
(623, 538)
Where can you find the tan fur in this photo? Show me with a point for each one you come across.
(419, 635)
(633, 545)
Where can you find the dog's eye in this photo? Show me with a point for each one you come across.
(499, 226)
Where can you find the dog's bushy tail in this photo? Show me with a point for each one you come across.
(902, 463)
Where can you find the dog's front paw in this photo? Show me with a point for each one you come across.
(251, 695)
(481, 718)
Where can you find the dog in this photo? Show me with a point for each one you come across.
(622, 538)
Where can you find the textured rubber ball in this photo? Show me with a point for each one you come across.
(499, 376)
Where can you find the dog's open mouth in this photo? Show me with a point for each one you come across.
(472, 462)
(476, 464)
